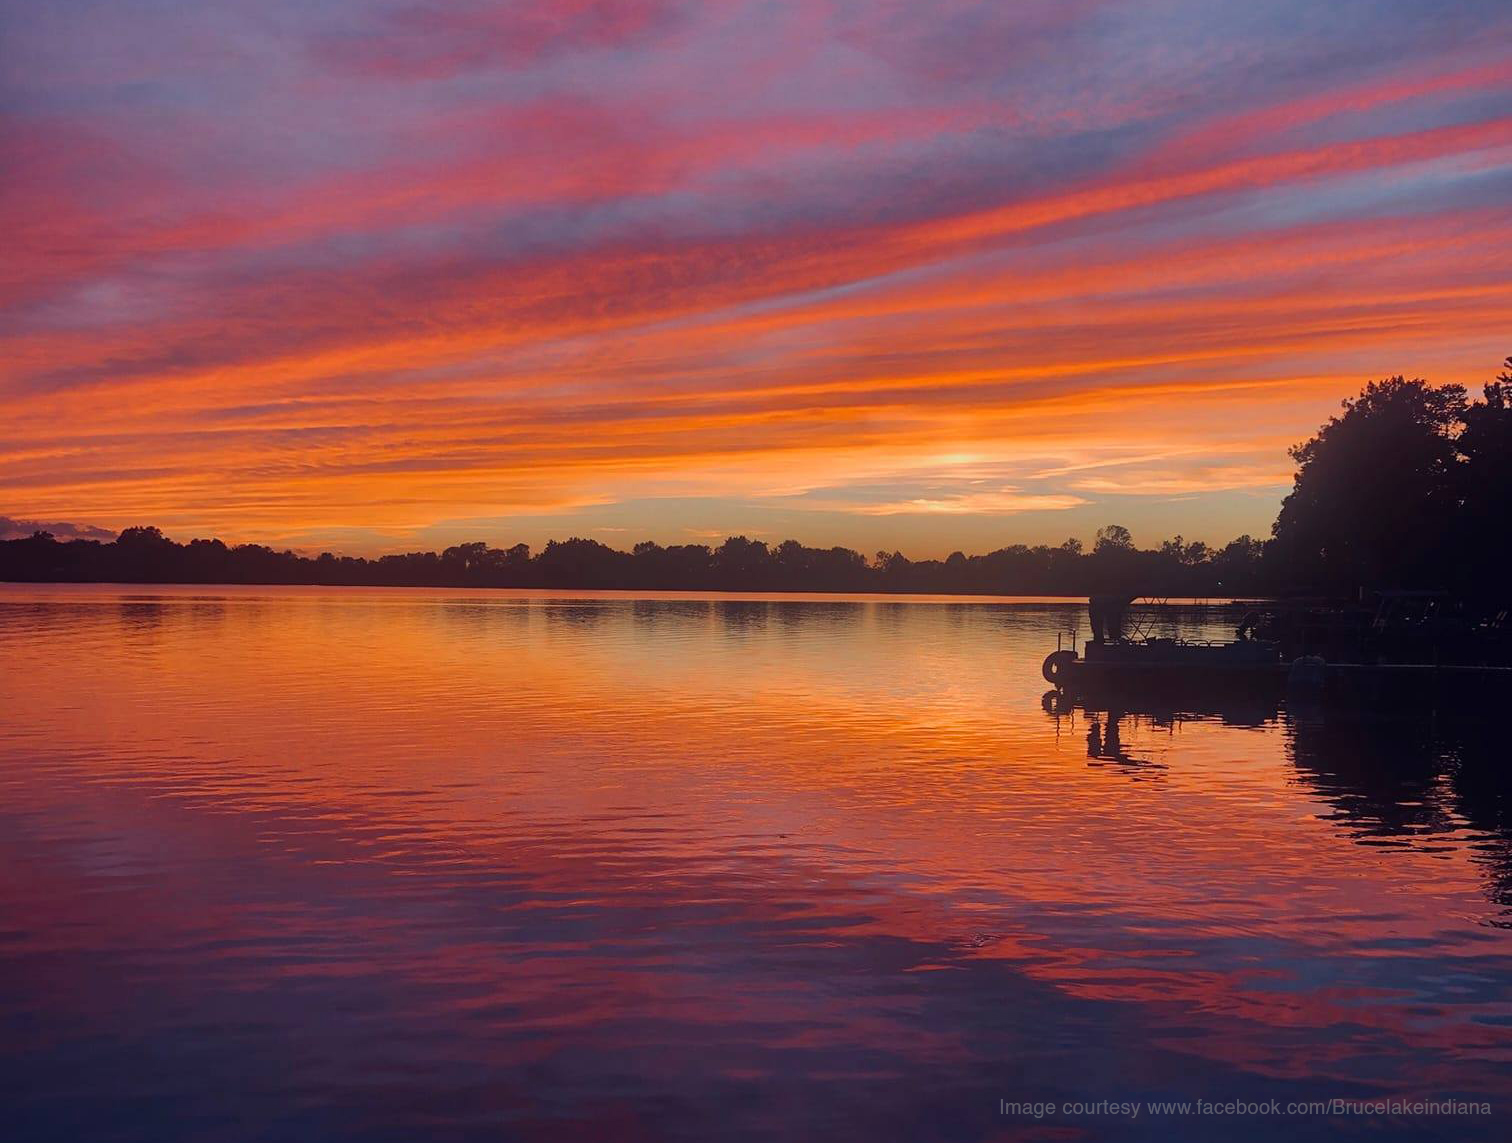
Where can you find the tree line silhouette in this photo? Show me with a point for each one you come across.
(1410, 486)
(145, 555)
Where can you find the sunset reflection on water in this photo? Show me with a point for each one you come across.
(338, 864)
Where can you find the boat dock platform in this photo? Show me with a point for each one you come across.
(1249, 665)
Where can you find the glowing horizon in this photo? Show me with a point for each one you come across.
(379, 276)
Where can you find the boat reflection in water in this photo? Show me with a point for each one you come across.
(1400, 779)
(1109, 712)
(1391, 777)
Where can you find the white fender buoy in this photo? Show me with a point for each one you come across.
(1056, 666)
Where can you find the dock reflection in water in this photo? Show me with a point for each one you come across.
(397, 865)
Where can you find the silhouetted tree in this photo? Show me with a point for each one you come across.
(1375, 493)
(1483, 548)
(1240, 567)
(742, 563)
(1113, 538)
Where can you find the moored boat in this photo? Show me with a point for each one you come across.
(1164, 660)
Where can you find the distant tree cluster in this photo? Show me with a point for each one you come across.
(145, 555)
(1411, 486)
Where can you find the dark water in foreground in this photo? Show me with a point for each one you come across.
(301, 864)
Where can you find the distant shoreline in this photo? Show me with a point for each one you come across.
(188, 591)
(145, 556)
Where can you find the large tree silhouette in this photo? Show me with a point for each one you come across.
(1483, 548)
(1375, 499)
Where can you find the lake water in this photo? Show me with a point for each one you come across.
(335, 864)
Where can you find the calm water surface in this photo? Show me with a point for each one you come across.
(314, 864)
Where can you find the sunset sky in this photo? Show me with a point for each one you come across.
(375, 274)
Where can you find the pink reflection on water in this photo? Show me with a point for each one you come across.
(824, 845)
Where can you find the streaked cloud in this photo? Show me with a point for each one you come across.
(360, 271)
(1000, 502)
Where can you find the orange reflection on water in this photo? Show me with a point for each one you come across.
(821, 844)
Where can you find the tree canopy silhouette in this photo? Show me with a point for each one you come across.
(1411, 486)
(1483, 548)
(1375, 488)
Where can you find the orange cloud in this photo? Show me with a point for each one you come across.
(525, 301)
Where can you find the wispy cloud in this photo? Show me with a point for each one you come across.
(1200, 478)
(374, 265)
(1004, 502)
